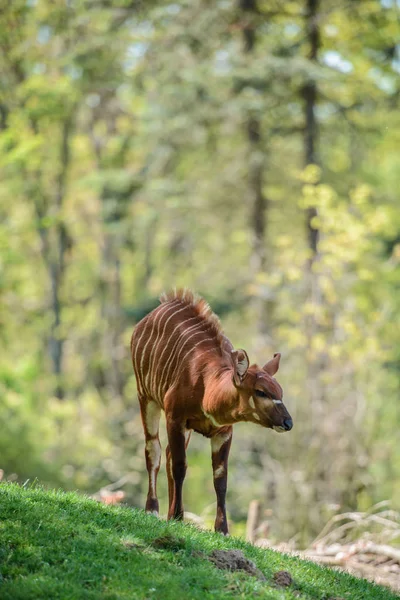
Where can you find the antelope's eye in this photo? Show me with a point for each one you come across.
(261, 394)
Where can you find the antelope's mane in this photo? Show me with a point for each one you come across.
(200, 307)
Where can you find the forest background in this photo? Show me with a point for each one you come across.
(246, 149)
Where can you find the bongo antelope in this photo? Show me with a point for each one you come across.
(185, 366)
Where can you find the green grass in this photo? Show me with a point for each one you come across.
(64, 546)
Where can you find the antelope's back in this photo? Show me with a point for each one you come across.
(168, 339)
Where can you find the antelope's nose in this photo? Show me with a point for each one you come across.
(288, 424)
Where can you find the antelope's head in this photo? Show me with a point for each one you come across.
(260, 393)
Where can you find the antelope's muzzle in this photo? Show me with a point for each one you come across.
(287, 424)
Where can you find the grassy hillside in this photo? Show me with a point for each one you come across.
(64, 546)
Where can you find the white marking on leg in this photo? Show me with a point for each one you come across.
(252, 403)
(219, 472)
(255, 415)
(219, 440)
(152, 418)
(153, 449)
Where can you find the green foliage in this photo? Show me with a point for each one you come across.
(127, 167)
(56, 545)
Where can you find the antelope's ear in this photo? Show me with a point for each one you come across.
(272, 365)
(241, 363)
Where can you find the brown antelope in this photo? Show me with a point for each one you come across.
(185, 366)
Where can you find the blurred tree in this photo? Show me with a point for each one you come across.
(244, 148)
(258, 202)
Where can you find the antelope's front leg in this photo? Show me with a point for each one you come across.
(177, 468)
(220, 446)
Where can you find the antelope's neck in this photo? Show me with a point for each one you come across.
(221, 398)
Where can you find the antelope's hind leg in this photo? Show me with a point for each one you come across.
(178, 439)
(151, 413)
(171, 484)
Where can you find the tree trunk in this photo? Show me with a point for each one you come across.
(256, 170)
(56, 264)
(54, 245)
(316, 360)
(310, 100)
(110, 286)
(114, 202)
(3, 117)
(309, 93)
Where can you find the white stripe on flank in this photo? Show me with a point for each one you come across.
(165, 348)
(157, 341)
(139, 385)
(138, 344)
(171, 359)
(138, 379)
(163, 308)
(143, 350)
(205, 352)
(201, 354)
(182, 362)
(149, 320)
(140, 339)
(179, 362)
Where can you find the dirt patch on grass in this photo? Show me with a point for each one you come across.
(235, 560)
(282, 579)
(168, 542)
